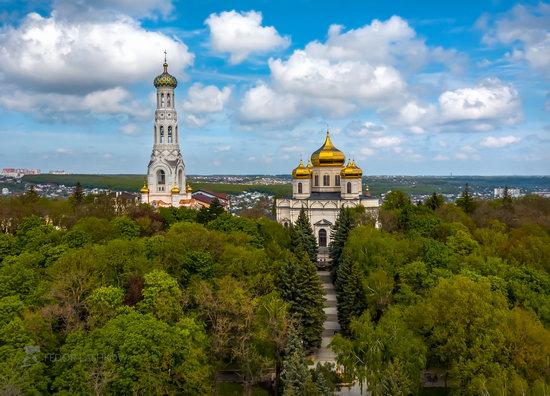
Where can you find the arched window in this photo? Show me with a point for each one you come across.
(316, 180)
(168, 96)
(337, 180)
(162, 100)
(161, 180)
(299, 188)
(348, 188)
(322, 237)
(161, 134)
(176, 135)
(169, 134)
(326, 180)
(180, 180)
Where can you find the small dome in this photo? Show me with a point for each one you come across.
(302, 172)
(144, 189)
(328, 155)
(188, 188)
(175, 189)
(351, 171)
(165, 79)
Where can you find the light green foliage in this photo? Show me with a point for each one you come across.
(395, 200)
(228, 223)
(125, 227)
(162, 297)
(103, 303)
(462, 243)
(136, 354)
(8, 245)
(99, 230)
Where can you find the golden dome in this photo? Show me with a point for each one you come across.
(328, 155)
(175, 189)
(301, 172)
(351, 171)
(188, 188)
(144, 189)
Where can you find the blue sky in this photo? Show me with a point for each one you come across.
(405, 87)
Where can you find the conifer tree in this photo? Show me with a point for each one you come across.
(77, 197)
(350, 293)
(301, 288)
(295, 372)
(435, 201)
(466, 202)
(339, 234)
(304, 235)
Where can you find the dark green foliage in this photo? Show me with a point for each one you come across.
(77, 198)
(434, 201)
(206, 215)
(339, 235)
(466, 201)
(228, 223)
(173, 215)
(302, 235)
(301, 288)
(294, 373)
(350, 293)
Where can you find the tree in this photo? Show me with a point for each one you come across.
(434, 201)
(350, 293)
(295, 373)
(395, 200)
(77, 197)
(339, 235)
(303, 232)
(162, 297)
(136, 354)
(466, 201)
(301, 288)
(206, 215)
(31, 196)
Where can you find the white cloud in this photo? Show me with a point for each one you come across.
(222, 148)
(241, 34)
(492, 141)
(55, 55)
(527, 30)
(367, 128)
(261, 104)
(194, 122)
(441, 157)
(385, 141)
(112, 101)
(490, 100)
(206, 99)
(367, 151)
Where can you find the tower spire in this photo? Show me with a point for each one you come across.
(165, 65)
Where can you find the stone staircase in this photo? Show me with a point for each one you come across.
(331, 325)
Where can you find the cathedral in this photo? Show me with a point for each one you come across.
(166, 182)
(322, 188)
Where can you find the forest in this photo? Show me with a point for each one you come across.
(98, 298)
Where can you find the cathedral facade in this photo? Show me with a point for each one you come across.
(322, 188)
(166, 183)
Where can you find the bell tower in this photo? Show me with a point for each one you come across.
(166, 182)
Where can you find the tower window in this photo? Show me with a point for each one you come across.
(168, 96)
(299, 188)
(326, 180)
(169, 134)
(161, 180)
(322, 237)
(180, 179)
(162, 102)
(316, 180)
(337, 180)
(162, 134)
(348, 187)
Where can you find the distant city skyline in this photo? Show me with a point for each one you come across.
(423, 88)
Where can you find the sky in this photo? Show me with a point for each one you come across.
(406, 88)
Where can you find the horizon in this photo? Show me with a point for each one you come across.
(422, 89)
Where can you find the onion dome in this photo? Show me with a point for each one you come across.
(302, 172)
(144, 189)
(188, 188)
(328, 155)
(165, 79)
(351, 171)
(175, 189)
